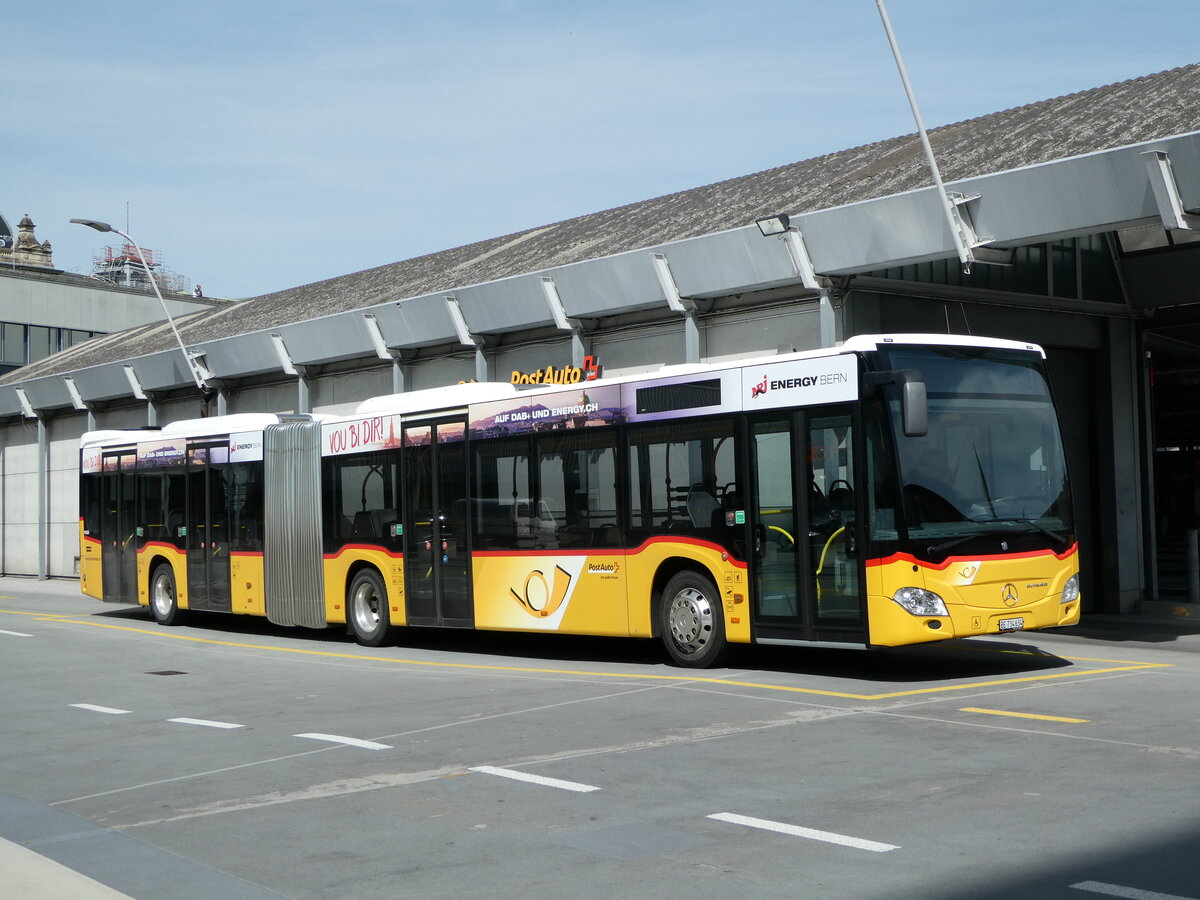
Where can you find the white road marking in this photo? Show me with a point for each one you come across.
(207, 723)
(536, 779)
(101, 709)
(811, 833)
(15, 633)
(338, 739)
(1128, 893)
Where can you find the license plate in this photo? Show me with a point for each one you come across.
(1016, 623)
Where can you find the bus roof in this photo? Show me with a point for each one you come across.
(214, 425)
(114, 437)
(864, 343)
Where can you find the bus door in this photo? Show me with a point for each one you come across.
(436, 559)
(118, 527)
(806, 570)
(207, 527)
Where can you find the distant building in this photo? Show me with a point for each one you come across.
(44, 310)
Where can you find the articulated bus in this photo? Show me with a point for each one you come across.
(894, 490)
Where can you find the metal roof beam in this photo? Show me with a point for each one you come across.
(1166, 193)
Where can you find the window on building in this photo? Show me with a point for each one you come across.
(39, 342)
(12, 344)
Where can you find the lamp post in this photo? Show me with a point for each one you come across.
(193, 367)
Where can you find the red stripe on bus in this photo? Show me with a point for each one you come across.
(163, 545)
(954, 560)
(374, 548)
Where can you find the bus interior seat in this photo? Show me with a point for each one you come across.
(364, 525)
(841, 498)
(700, 506)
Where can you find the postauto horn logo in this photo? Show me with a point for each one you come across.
(539, 597)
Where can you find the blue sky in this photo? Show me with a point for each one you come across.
(264, 146)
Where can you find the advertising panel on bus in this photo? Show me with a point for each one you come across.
(155, 454)
(360, 435)
(559, 411)
(801, 382)
(246, 446)
(91, 460)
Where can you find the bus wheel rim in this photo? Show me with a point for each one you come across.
(367, 605)
(691, 620)
(162, 596)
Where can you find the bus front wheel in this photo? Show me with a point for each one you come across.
(164, 602)
(691, 621)
(367, 609)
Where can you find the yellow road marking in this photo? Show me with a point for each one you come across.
(1017, 715)
(1123, 666)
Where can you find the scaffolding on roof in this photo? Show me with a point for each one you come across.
(121, 267)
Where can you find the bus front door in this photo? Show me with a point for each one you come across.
(436, 558)
(806, 573)
(118, 526)
(207, 528)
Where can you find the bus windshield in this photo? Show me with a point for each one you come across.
(992, 462)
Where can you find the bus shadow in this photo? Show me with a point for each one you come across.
(953, 659)
(213, 624)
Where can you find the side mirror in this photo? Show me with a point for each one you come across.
(914, 405)
(914, 408)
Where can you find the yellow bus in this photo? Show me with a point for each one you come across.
(893, 490)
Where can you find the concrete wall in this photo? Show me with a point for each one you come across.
(63, 547)
(19, 498)
(762, 332)
(35, 301)
(340, 394)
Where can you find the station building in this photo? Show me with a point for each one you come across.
(1081, 213)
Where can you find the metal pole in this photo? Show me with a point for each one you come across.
(964, 251)
(303, 403)
(191, 364)
(1193, 566)
(43, 506)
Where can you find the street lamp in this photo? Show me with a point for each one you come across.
(193, 366)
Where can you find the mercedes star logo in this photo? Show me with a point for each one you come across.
(1009, 595)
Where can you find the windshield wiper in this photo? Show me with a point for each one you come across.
(987, 494)
(939, 549)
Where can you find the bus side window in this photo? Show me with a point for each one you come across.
(679, 475)
(91, 505)
(501, 483)
(577, 498)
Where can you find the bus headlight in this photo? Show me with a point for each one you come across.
(921, 602)
(1071, 589)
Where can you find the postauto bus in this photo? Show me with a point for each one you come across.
(894, 490)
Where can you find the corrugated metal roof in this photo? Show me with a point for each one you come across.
(1116, 115)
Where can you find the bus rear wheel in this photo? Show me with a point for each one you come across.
(692, 623)
(164, 601)
(367, 609)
